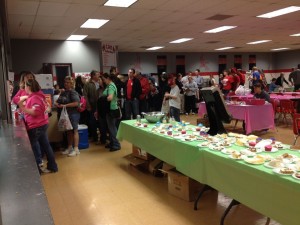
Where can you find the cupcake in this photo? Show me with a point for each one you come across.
(268, 148)
(252, 143)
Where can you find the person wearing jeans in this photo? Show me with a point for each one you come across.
(36, 120)
(111, 93)
(133, 90)
(174, 99)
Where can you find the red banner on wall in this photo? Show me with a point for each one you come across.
(180, 60)
(252, 58)
(161, 60)
(222, 59)
(238, 59)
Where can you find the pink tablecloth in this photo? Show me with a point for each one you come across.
(256, 117)
(279, 97)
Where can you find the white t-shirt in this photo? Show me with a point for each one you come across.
(175, 91)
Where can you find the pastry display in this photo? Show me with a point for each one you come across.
(297, 175)
(286, 170)
(274, 164)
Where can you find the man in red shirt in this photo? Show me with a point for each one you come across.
(227, 82)
(132, 92)
(143, 103)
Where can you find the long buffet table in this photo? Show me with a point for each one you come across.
(256, 186)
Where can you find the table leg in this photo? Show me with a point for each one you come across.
(204, 189)
(232, 203)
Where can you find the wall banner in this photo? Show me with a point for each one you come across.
(109, 56)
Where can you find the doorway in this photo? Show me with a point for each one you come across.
(61, 72)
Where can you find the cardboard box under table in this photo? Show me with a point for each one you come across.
(182, 186)
(140, 153)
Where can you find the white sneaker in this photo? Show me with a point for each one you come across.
(72, 153)
(77, 152)
(45, 170)
(67, 151)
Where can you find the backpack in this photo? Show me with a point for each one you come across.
(82, 104)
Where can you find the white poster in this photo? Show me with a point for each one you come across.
(11, 76)
(45, 80)
(109, 56)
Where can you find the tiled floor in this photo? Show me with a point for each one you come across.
(101, 188)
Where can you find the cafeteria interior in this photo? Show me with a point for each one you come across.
(101, 187)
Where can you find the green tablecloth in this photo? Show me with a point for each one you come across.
(253, 185)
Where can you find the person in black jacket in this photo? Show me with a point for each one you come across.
(132, 92)
(279, 81)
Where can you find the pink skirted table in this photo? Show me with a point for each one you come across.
(256, 117)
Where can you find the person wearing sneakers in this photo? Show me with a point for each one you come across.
(70, 99)
(36, 120)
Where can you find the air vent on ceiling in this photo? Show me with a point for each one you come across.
(219, 17)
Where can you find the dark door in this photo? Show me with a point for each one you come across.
(61, 73)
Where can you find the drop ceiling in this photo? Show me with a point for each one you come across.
(149, 23)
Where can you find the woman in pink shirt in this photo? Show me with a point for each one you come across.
(36, 119)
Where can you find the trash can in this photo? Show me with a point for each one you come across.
(83, 136)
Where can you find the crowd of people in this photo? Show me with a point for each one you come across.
(110, 98)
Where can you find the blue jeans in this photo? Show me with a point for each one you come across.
(131, 107)
(39, 140)
(174, 112)
(112, 129)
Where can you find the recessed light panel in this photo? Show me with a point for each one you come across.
(220, 29)
(154, 48)
(258, 42)
(280, 12)
(279, 49)
(120, 3)
(295, 35)
(94, 23)
(225, 48)
(181, 40)
(76, 37)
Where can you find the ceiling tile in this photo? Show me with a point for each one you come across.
(53, 9)
(22, 7)
(81, 10)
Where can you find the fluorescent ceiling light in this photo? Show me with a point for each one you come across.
(219, 29)
(94, 23)
(280, 12)
(258, 42)
(279, 49)
(295, 35)
(181, 40)
(225, 48)
(120, 3)
(76, 37)
(154, 48)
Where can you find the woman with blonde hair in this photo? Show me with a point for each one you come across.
(25, 76)
(70, 99)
